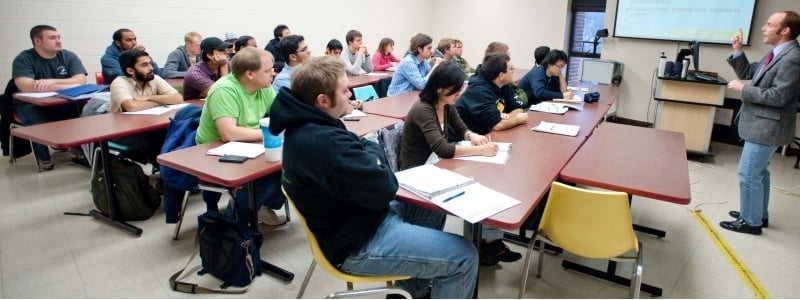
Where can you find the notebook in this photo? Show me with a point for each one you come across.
(80, 92)
(555, 107)
(563, 129)
(458, 194)
(250, 150)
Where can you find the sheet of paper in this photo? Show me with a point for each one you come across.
(575, 99)
(563, 129)
(356, 114)
(550, 108)
(154, 111)
(476, 203)
(376, 74)
(38, 95)
(250, 150)
(500, 158)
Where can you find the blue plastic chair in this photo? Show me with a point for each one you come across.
(365, 93)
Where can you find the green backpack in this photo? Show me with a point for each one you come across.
(136, 199)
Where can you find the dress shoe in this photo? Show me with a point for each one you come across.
(735, 214)
(740, 226)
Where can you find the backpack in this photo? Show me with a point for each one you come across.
(180, 134)
(227, 251)
(136, 199)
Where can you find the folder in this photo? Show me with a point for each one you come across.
(80, 92)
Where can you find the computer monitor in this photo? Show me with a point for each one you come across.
(694, 46)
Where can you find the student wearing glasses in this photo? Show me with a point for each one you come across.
(543, 82)
(295, 50)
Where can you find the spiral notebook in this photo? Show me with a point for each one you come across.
(458, 194)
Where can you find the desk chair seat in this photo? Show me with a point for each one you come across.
(17, 123)
(319, 257)
(365, 93)
(98, 77)
(591, 224)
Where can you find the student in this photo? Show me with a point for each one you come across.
(346, 192)
(413, 71)
(334, 48)
(45, 68)
(141, 89)
(183, 57)
(356, 56)
(488, 104)
(234, 106)
(460, 60)
(539, 54)
(383, 58)
(295, 50)
(545, 82)
(429, 120)
(244, 41)
(768, 115)
(214, 65)
(123, 39)
(445, 49)
(279, 32)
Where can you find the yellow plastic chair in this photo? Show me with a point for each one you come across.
(319, 257)
(591, 224)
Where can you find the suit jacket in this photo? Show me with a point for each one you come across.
(769, 103)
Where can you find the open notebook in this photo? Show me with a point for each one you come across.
(456, 193)
(563, 129)
(555, 107)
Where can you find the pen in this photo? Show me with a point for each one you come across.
(453, 197)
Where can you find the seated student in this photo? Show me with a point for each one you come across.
(295, 50)
(429, 120)
(230, 38)
(214, 65)
(413, 71)
(545, 82)
(356, 56)
(141, 89)
(539, 54)
(461, 61)
(183, 57)
(278, 33)
(234, 106)
(346, 192)
(444, 50)
(122, 39)
(334, 48)
(45, 68)
(383, 58)
(244, 41)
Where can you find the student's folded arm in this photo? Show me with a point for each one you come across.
(414, 77)
(363, 179)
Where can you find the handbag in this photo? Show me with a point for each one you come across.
(227, 251)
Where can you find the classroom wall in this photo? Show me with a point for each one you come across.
(641, 58)
(86, 26)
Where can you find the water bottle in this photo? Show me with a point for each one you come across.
(685, 68)
(273, 149)
(662, 65)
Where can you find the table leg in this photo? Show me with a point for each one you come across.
(609, 275)
(266, 267)
(111, 218)
(474, 232)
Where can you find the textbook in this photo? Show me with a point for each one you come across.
(458, 194)
(555, 107)
(80, 92)
(563, 129)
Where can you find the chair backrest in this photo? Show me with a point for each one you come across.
(592, 224)
(365, 93)
(98, 77)
(322, 261)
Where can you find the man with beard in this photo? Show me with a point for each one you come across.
(124, 39)
(141, 89)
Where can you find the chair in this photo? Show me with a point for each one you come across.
(365, 93)
(591, 224)
(17, 123)
(319, 257)
(98, 77)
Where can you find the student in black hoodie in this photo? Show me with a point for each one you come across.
(279, 32)
(345, 189)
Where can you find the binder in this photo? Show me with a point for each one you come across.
(80, 92)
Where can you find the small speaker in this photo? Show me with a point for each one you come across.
(668, 68)
(677, 69)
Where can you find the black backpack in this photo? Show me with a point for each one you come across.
(136, 199)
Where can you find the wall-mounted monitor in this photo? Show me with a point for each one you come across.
(706, 21)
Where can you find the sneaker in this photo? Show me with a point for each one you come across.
(499, 250)
(270, 218)
(46, 165)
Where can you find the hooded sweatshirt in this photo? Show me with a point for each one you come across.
(341, 184)
(481, 104)
(110, 64)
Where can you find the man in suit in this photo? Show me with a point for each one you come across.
(768, 114)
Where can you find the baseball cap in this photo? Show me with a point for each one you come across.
(210, 43)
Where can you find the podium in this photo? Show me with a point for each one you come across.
(688, 106)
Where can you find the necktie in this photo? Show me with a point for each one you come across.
(767, 60)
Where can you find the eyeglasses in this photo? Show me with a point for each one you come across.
(560, 66)
(302, 50)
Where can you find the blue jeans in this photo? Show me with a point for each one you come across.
(429, 256)
(31, 114)
(268, 193)
(754, 182)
